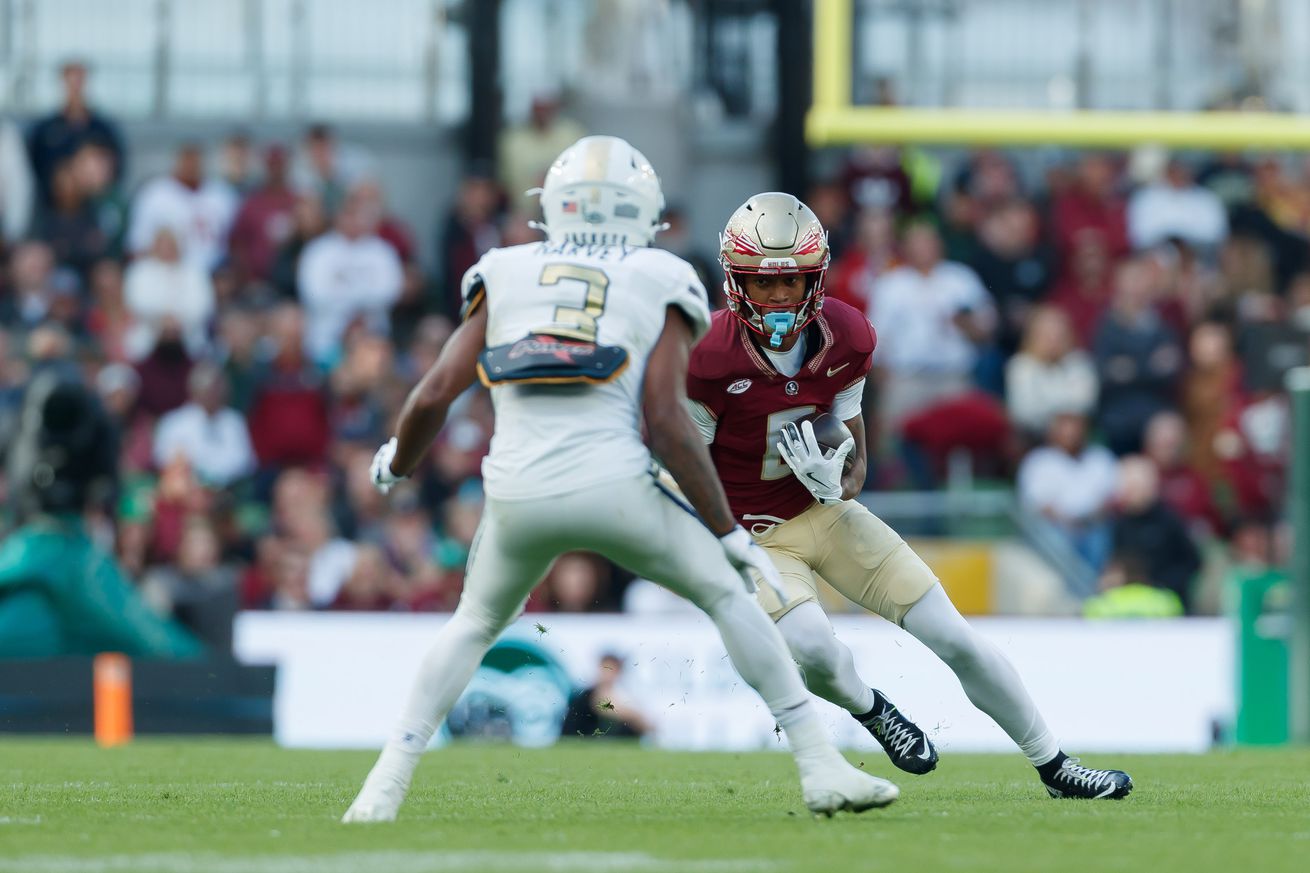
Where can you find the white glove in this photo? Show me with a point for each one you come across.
(380, 470)
(820, 474)
(745, 555)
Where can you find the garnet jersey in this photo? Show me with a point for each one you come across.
(751, 401)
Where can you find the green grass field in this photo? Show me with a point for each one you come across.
(248, 807)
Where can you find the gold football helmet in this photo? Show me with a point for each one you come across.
(774, 233)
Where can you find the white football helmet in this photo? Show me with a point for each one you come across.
(602, 190)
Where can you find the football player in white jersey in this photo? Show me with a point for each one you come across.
(578, 337)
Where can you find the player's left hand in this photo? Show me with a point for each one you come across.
(380, 470)
(819, 473)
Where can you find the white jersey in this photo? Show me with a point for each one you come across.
(554, 439)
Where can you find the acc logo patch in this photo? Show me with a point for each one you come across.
(739, 387)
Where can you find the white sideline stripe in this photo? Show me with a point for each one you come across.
(393, 862)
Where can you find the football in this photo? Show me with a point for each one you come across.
(830, 432)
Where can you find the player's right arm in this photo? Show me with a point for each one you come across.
(425, 408)
(674, 437)
(677, 442)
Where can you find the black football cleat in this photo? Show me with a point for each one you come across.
(904, 742)
(1075, 780)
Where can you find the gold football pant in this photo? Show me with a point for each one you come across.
(852, 549)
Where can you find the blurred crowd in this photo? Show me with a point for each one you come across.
(1109, 335)
(1108, 331)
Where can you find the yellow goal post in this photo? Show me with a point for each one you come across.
(832, 120)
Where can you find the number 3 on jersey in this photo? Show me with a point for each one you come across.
(571, 321)
(774, 466)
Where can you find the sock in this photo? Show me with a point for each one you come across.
(442, 676)
(989, 680)
(826, 663)
(1051, 767)
(879, 707)
(758, 653)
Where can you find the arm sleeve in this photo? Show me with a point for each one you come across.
(705, 421)
(849, 401)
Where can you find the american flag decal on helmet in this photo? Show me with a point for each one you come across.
(742, 244)
(810, 243)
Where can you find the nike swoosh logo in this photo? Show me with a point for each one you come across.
(927, 750)
(815, 480)
(1109, 789)
(832, 370)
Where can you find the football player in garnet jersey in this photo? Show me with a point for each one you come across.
(776, 357)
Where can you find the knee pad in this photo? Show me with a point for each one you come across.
(481, 622)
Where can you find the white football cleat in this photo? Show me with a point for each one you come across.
(833, 785)
(379, 800)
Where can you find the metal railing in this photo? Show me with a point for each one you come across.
(395, 60)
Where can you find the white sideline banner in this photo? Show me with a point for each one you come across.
(1139, 686)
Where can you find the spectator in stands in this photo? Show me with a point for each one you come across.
(346, 274)
(1252, 446)
(1014, 265)
(16, 186)
(875, 179)
(872, 253)
(578, 582)
(1085, 291)
(289, 414)
(108, 322)
(986, 180)
(526, 151)
(1212, 393)
(327, 168)
(265, 221)
(471, 228)
(370, 584)
(239, 333)
(1091, 210)
(307, 224)
(211, 435)
(1049, 374)
(932, 317)
(199, 213)
(1176, 206)
(368, 196)
(1150, 535)
(162, 286)
(359, 390)
(30, 295)
(199, 590)
(1138, 359)
(1066, 486)
(164, 372)
(71, 222)
(236, 170)
(57, 137)
(1182, 488)
(829, 202)
(1231, 177)
(602, 710)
